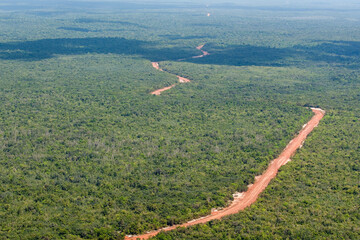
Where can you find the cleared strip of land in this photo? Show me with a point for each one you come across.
(245, 199)
(181, 79)
(158, 92)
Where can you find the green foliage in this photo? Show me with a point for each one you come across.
(87, 153)
(315, 196)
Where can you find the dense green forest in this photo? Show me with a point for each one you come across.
(87, 153)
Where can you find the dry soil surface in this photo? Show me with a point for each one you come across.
(181, 79)
(245, 199)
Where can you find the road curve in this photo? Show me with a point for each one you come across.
(204, 53)
(245, 199)
(181, 79)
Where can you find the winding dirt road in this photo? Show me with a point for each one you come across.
(204, 53)
(158, 92)
(245, 199)
(181, 79)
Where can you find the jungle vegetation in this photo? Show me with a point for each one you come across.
(87, 153)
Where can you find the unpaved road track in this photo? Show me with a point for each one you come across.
(158, 92)
(204, 53)
(245, 199)
(181, 79)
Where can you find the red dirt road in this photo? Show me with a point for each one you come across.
(181, 79)
(243, 200)
(158, 92)
(156, 66)
(204, 53)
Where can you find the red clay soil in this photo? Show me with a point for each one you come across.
(245, 199)
(156, 66)
(181, 79)
(204, 53)
(158, 92)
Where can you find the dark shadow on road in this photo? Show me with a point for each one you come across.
(332, 52)
(346, 53)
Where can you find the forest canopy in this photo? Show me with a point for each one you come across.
(88, 153)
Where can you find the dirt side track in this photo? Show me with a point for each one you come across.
(245, 199)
